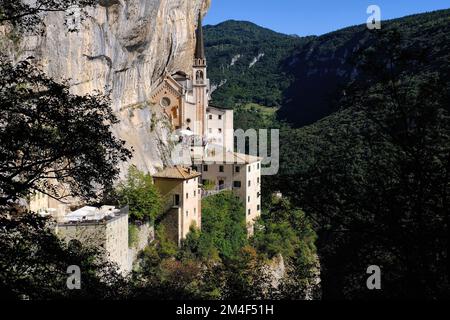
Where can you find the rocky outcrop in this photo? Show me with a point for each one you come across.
(122, 47)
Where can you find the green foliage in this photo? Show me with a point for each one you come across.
(277, 239)
(209, 185)
(51, 137)
(254, 116)
(223, 232)
(304, 76)
(218, 262)
(374, 176)
(245, 277)
(285, 230)
(162, 276)
(264, 82)
(139, 192)
(223, 226)
(133, 235)
(166, 247)
(34, 262)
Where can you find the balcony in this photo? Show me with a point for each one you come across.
(216, 190)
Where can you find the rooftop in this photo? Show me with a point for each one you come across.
(180, 76)
(219, 108)
(92, 215)
(177, 172)
(230, 158)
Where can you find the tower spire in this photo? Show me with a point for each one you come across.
(200, 45)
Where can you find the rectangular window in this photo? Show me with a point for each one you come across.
(210, 117)
(259, 180)
(210, 130)
(176, 200)
(238, 169)
(195, 210)
(221, 169)
(249, 168)
(220, 130)
(249, 183)
(195, 193)
(220, 117)
(257, 166)
(205, 168)
(187, 213)
(248, 198)
(259, 207)
(237, 184)
(249, 212)
(187, 195)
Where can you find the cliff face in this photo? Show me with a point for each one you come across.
(122, 47)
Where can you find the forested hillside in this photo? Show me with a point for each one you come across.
(244, 63)
(305, 76)
(372, 171)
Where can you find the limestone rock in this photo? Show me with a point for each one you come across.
(122, 47)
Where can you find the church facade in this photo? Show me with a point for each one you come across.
(185, 100)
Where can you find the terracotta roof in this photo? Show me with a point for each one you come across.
(180, 173)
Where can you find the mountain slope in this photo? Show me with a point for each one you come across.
(325, 65)
(306, 76)
(245, 63)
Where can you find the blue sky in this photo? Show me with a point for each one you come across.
(313, 17)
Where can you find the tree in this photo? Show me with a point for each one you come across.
(52, 141)
(224, 230)
(285, 230)
(139, 192)
(374, 176)
(34, 264)
(245, 276)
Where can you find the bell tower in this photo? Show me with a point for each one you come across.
(200, 80)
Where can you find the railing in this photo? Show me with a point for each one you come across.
(217, 190)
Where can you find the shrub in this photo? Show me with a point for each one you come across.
(139, 192)
(133, 236)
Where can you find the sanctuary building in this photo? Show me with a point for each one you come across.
(210, 129)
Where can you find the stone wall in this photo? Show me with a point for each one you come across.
(145, 236)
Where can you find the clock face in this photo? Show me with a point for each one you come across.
(165, 102)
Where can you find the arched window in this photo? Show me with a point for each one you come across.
(175, 112)
(200, 76)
